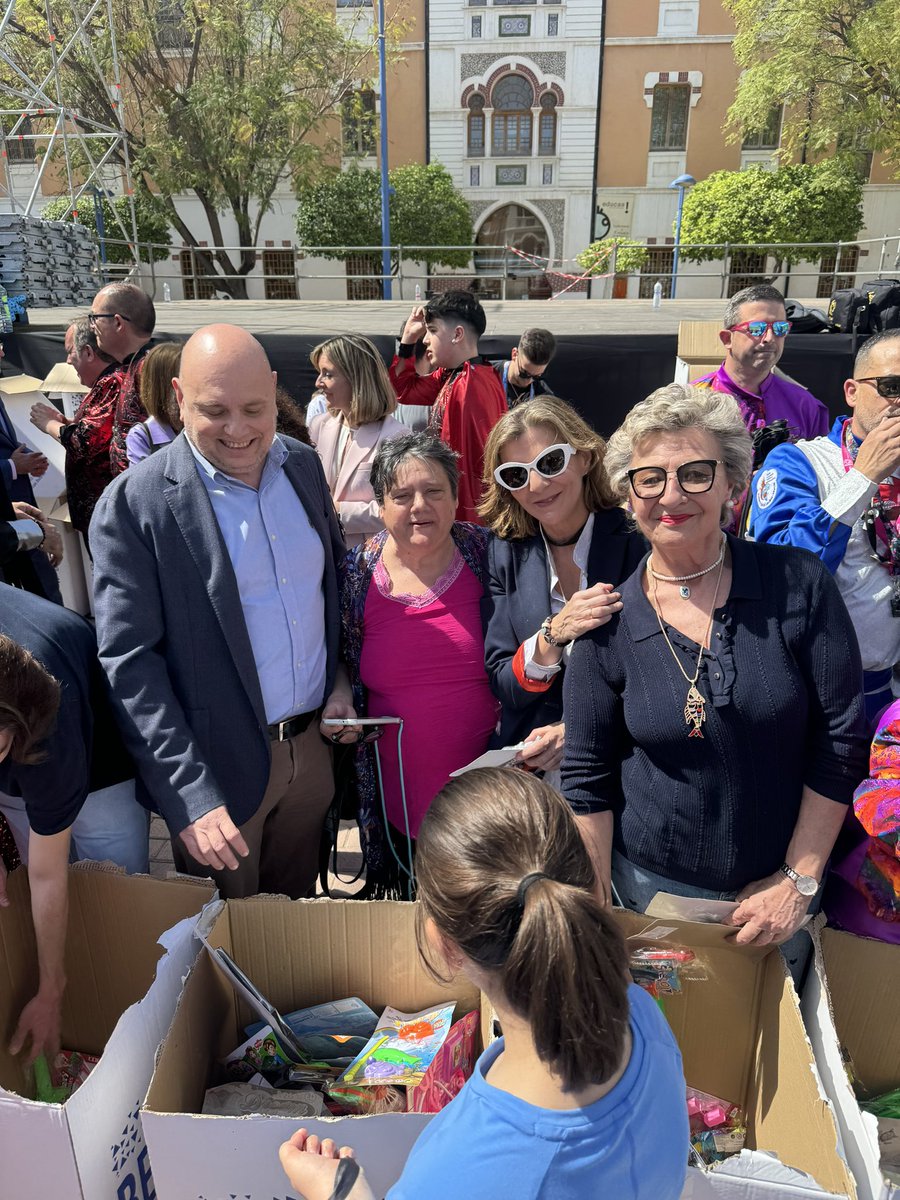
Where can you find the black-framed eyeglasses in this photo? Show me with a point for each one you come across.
(694, 478)
(530, 375)
(887, 386)
(93, 317)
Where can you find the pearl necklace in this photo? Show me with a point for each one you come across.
(684, 591)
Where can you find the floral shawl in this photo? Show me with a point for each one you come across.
(876, 803)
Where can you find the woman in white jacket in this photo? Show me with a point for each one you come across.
(355, 383)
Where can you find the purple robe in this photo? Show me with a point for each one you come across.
(779, 400)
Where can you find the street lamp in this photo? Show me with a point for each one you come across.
(385, 184)
(682, 183)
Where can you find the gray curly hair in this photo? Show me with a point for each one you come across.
(681, 406)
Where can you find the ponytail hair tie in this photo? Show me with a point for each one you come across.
(526, 884)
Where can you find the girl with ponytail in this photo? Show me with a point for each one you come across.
(583, 1096)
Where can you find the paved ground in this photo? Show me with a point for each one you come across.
(349, 857)
(561, 316)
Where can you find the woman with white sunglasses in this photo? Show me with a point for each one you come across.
(562, 546)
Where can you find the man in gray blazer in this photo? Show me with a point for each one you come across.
(216, 598)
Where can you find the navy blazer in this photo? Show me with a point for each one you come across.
(19, 488)
(517, 601)
(172, 636)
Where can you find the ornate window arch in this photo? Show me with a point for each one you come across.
(547, 124)
(475, 139)
(512, 98)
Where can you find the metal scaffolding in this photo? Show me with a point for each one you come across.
(35, 111)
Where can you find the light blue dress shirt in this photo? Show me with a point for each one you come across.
(279, 564)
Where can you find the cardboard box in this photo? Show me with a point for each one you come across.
(19, 393)
(740, 1033)
(699, 350)
(851, 1005)
(298, 953)
(120, 997)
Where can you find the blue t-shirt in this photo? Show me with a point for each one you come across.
(632, 1144)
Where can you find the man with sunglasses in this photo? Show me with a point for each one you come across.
(756, 327)
(522, 376)
(839, 496)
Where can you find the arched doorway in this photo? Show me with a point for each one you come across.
(513, 225)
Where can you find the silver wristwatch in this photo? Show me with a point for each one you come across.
(806, 885)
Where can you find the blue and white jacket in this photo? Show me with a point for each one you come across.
(804, 497)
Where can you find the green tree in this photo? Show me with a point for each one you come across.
(797, 203)
(152, 225)
(344, 209)
(221, 98)
(597, 258)
(831, 63)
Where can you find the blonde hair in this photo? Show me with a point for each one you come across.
(681, 406)
(502, 512)
(373, 395)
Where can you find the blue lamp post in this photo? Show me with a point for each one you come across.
(682, 183)
(385, 187)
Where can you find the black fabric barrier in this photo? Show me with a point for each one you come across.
(603, 375)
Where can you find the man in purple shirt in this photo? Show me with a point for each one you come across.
(756, 326)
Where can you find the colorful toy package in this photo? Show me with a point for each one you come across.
(661, 970)
(449, 1070)
(261, 1053)
(56, 1081)
(717, 1126)
(401, 1049)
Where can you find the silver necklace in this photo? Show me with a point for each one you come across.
(684, 591)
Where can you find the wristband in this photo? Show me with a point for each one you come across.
(344, 1179)
(406, 349)
(547, 634)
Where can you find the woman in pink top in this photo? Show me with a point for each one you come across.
(413, 642)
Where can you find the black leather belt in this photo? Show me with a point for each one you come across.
(283, 731)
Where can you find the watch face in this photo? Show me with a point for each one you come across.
(806, 885)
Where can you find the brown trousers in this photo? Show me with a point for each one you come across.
(284, 833)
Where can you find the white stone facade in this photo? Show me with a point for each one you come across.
(556, 188)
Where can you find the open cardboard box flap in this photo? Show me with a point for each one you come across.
(740, 1034)
(741, 1038)
(298, 953)
(851, 1006)
(130, 942)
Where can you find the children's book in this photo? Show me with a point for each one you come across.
(402, 1047)
(450, 1069)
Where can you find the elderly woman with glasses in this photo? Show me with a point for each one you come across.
(562, 545)
(413, 643)
(715, 728)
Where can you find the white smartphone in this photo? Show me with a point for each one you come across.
(362, 721)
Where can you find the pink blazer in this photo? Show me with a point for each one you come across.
(351, 490)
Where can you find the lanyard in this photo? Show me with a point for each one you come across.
(518, 400)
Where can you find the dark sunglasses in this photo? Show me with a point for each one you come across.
(887, 386)
(757, 329)
(695, 477)
(529, 374)
(549, 463)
